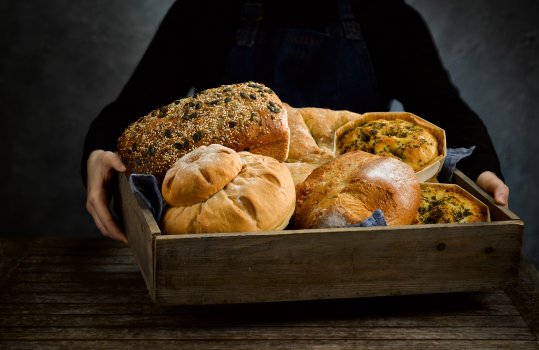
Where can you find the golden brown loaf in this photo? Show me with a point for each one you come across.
(311, 138)
(200, 174)
(304, 154)
(260, 196)
(323, 123)
(303, 146)
(300, 170)
(442, 203)
(404, 140)
(247, 116)
(349, 188)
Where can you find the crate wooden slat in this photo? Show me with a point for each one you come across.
(324, 263)
(111, 310)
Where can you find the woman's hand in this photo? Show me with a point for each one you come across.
(491, 183)
(101, 167)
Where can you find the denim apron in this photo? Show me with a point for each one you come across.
(328, 68)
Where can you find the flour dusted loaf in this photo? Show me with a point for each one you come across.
(244, 117)
(257, 196)
(348, 189)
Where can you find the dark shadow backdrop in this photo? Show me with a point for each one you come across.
(62, 61)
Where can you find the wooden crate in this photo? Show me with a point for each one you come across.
(324, 263)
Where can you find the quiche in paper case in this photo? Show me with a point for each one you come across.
(449, 203)
(401, 135)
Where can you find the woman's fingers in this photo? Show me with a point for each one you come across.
(101, 166)
(491, 183)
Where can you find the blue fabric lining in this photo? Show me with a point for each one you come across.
(147, 188)
(454, 155)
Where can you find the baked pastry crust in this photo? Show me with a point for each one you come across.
(443, 203)
(260, 197)
(348, 189)
(424, 171)
(401, 139)
(323, 123)
(247, 116)
(303, 146)
(200, 174)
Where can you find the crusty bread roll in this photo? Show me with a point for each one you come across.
(247, 116)
(303, 147)
(323, 123)
(260, 196)
(200, 174)
(301, 170)
(349, 188)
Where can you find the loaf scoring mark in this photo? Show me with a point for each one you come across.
(271, 178)
(169, 181)
(247, 206)
(205, 174)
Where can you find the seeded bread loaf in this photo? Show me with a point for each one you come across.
(247, 116)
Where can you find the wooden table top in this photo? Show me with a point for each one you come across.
(89, 293)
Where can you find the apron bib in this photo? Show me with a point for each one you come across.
(328, 68)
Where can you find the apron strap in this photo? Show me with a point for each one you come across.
(253, 13)
(349, 24)
(251, 17)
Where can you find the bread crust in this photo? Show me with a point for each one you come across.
(323, 122)
(261, 197)
(199, 174)
(348, 189)
(402, 139)
(303, 147)
(247, 116)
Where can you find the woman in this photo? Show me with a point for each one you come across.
(344, 54)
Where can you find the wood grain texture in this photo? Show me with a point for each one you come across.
(497, 212)
(296, 344)
(526, 295)
(12, 251)
(141, 229)
(101, 310)
(323, 264)
(315, 264)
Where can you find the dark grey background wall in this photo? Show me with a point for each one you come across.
(61, 61)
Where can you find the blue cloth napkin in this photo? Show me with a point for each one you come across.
(454, 155)
(376, 219)
(147, 188)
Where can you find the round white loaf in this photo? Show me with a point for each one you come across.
(260, 197)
